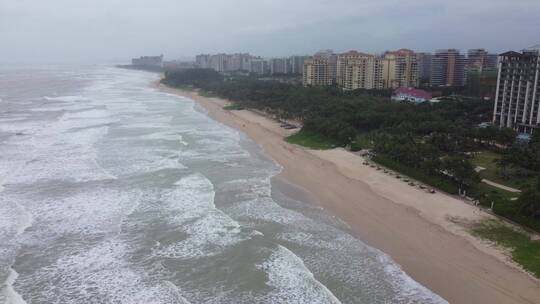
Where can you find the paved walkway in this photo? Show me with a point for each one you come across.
(503, 187)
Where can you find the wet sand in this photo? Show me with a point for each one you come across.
(422, 232)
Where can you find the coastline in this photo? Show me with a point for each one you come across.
(424, 233)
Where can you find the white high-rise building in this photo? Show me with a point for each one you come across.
(517, 99)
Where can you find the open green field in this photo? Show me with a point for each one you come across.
(524, 251)
(495, 192)
(311, 140)
(488, 159)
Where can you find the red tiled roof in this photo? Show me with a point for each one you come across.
(417, 93)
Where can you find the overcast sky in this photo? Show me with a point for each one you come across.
(112, 30)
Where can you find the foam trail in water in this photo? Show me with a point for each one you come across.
(210, 230)
(12, 297)
(293, 282)
(67, 98)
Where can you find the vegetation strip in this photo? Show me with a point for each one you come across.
(524, 251)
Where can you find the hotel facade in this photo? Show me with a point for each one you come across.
(357, 70)
(400, 69)
(517, 99)
(317, 72)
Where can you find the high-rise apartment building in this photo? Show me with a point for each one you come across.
(219, 62)
(238, 62)
(258, 66)
(448, 68)
(296, 64)
(203, 61)
(331, 59)
(423, 60)
(224, 62)
(317, 72)
(321, 69)
(278, 66)
(517, 99)
(357, 70)
(479, 60)
(400, 69)
(148, 61)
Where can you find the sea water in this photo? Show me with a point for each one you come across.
(115, 192)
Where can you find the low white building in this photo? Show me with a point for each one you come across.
(412, 95)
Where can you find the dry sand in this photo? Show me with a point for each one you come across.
(420, 231)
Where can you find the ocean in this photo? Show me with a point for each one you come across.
(112, 191)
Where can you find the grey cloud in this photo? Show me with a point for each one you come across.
(105, 30)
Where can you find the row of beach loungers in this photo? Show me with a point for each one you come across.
(287, 125)
(411, 183)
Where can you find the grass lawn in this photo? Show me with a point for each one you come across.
(494, 191)
(312, 140)
(487, 160)
(524, 251)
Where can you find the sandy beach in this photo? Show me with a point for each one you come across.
(424, 233)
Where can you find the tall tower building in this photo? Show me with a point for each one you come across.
(517, 100)
(317, 72)
(331, 59)
(400, 69)
(448, 68)
(357, 70)
(278, 66)
(203, 61)
(258, 66)
(296, 64)
(479, 60)
(423, 60)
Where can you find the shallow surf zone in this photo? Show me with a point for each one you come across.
(118, 193)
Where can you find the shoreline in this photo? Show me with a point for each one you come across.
(424, 233)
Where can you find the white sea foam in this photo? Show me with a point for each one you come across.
(25, 126)
(14, 219)
(67, 98)
(292, 281)
(209, 230)
(68, 156)
(89, 114)
(11, 296)
(164, 135)
(93, 211)
(101, 274)
(375, 272)
(410, 290)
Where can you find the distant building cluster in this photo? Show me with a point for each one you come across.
(251, 64)
(148, 61)
(515, 74)
(394, 69)
(354, 70)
